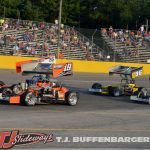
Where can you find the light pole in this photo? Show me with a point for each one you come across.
(59, 28)
(93, 39)
(114, 57)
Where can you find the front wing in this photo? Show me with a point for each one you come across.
(140, 99)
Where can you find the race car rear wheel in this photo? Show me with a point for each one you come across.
(6, 93)
(29, 99)
(96, 86)
(2, 83)
(114, 91)
(72, 98)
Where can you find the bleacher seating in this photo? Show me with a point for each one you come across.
(127, 52)
(27, 38)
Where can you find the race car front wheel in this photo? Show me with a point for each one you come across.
(29, 99)
(72, 98)
(96, 86)
(17, 88)
(142, 93)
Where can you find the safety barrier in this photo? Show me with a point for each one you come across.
(9, 62)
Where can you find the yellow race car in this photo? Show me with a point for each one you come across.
(127, 85)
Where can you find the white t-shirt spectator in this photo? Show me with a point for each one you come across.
(142, 28)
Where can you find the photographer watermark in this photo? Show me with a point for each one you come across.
(103, 139)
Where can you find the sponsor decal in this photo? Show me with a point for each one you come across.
(9, 139)
(58, 66)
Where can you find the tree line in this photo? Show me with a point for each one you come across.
(80, 13)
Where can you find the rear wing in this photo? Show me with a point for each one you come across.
(133, 72)
(36, 67)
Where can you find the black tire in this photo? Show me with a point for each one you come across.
(28, 99)
(142, 93)
(6, 92)
(114, 91)
(137, 92)
(2, 83)
(16, 88)
(96, 86)
(72, 98)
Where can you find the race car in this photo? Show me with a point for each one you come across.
(41, 88)
(127, 85)
(142, 95)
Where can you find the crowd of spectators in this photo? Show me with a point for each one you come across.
(131, 41)
(28, 37)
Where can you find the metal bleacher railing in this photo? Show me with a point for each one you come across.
(32, 38)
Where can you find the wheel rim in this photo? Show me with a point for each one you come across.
(17, 89)
(6, 94)
(30, 99)
(116, 93)
(73, 100)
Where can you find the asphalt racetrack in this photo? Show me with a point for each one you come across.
(94, 116)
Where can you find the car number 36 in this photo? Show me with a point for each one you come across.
(138, 73)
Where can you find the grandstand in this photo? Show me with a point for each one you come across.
(29, 38)
(129, 46)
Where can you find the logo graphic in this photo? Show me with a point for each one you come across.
(9, 139)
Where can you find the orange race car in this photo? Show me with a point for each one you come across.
(41, 88)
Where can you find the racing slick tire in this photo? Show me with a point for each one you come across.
(72, 98)
(142, 93)
(2, 83)
(16, 88)
(6, 92)
(29, 99)
(96, 86)
(114, 91)
(137, 92)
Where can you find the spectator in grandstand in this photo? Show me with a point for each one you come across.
(38, 46)
(42, 26)
(45, 46)
(110, 31)
(5, 26)
(12, 38)
(1, 22)
(104, 31)
(132, 39)
(34, 36)
(16, 49)
(142, 29)
(30, 49)
(60, 55)
(64, 45)
(22, 46)
(6, 40)
(26, 36)
(147, 36)
(1, 42)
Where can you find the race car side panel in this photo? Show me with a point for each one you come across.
(62, 69)
(14, 100)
